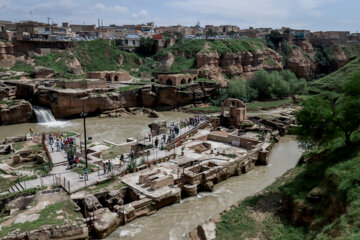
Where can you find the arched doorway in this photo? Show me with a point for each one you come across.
(116, 78)
(183, 81)
(190, 80)
(169, 82)
(108, 78)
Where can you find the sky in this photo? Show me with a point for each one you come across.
(315, 15)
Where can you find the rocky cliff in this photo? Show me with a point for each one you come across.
(69, 103)
(243, 64)
(308, 61)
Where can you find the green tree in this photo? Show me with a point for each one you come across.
(315, 122)
(240, 89)
(347, 108)
(147, 46)
(274, 38)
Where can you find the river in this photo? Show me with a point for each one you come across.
(112, 129)
(176, 221)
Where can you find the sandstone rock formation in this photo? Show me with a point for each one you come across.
(301, 65)
(301, 60)
(16, 112)
(243, 64)
(43, 72)
(69, 103)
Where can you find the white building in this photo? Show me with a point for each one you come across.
(131, 40)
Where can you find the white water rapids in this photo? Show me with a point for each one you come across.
(46, 118)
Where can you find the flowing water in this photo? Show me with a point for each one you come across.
(176, 221)
(112, 129)
(47, 119)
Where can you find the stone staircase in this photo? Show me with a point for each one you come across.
(16, 188)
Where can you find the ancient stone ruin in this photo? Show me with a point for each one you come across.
(233, 112)
(176, 79)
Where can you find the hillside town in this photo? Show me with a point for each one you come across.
(130, 34)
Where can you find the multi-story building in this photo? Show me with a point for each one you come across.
(85, 31)
(222, 29)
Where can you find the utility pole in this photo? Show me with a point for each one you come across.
(83, 115)
(48, 18)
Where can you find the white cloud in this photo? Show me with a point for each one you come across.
(111, 9)
(253, 12)
(141, 14)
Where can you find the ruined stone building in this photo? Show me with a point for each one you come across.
(233, 112)
(110, 76)
(176, 79)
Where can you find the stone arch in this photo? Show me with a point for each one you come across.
(108, 78)
(190, 80)
(116, 78)
(183, 81)
(169, 82)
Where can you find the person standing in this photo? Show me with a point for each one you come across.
(57, 143)
(132, 154)
(156, 142)
(104, 167)
(86, 174)
(51, 139)
(109, 166)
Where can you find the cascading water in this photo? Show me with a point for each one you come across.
(45, 117)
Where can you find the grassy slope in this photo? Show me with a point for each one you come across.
(337, 178)
(335, 80)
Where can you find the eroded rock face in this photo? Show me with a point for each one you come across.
(69, 103)
(243, 64)
(19, 112)
(208, 64)
(302, 65)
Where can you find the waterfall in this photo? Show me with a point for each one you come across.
(46, 118)
(44, 115)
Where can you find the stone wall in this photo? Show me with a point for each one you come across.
(110, 76)
(176, 79)
(85, 84)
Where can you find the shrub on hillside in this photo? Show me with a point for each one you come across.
(276, 84)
